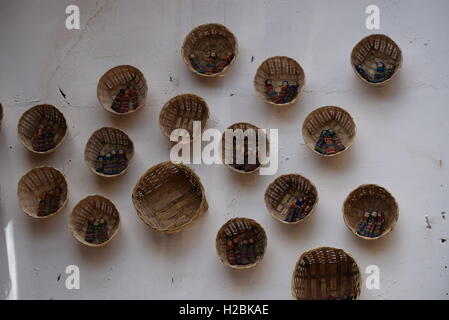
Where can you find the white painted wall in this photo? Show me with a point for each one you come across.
(402, 143)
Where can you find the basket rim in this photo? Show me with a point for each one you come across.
(75, 234)
(100, 81)
(394, 75)
(187, 62)
(270, 208)
(359, 275)
(221, 147)
(301, 88)
(61, 208)
(201, 208)
(312, 113)
(32, 109)
(352, 229)
(129, 157)
(246, 266)
(175, 98)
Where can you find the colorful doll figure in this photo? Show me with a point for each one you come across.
(134, 98)
(195, 63)
(230, 251)
(102, 234)
(211, 64)
(269, 90)
(329, 143)
(225, 61)
(292, 91)
(283, 94)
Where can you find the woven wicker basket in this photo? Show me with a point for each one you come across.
(209, 50)
(241, 243)
(42, 129)
(42, 192)
(232, 146)
(329, 131)
(122, 90)
(180, 112)
(376, 59)
(370, 198)
(291, 198)
(326, 274)
(169, 197)
(279, 80)
(108, 152)
(94, 221)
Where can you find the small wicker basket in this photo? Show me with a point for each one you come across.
(279, 80)
(329, 131)
(291, 198)
(108, 152)
(94, 221)
(42, 129)
(180, 112)
(370, 200)
(326, 274)
(241, 243)
(169, 197)
(122, 90)
(376, 59)
(42, 192)
(209, 50)
(245, 154)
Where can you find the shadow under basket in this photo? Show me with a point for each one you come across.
(122, 90)
(279, 80)
(326, 274)
(246, 148)
(291, 198)
(1, 114)
(42, 129)
(376, 59)
(370, 212)
(42, 192)
(241, 243)
(180, 112)
(108, 152)
(169, 197)
(94, 221)
(329, 131)
(209, 50)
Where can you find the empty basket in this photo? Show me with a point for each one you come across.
(209, 50)
(376, 59)
(279, 80)
(122, 90)
(326, 274)
(168, 197)
(246, 148)
(42, 192)
(180, 112)
(370, 211)
(108, 152)
(94, 221)
(241, 243)
(329, 131)
(291, 198)
(42, 128)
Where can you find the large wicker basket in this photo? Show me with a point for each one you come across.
(376, 59)
(370, 198)
(42, 192)
(241, 243)
(42, 128)
(209, 50)
(169, 197)
(326, 274)
(291, 198)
